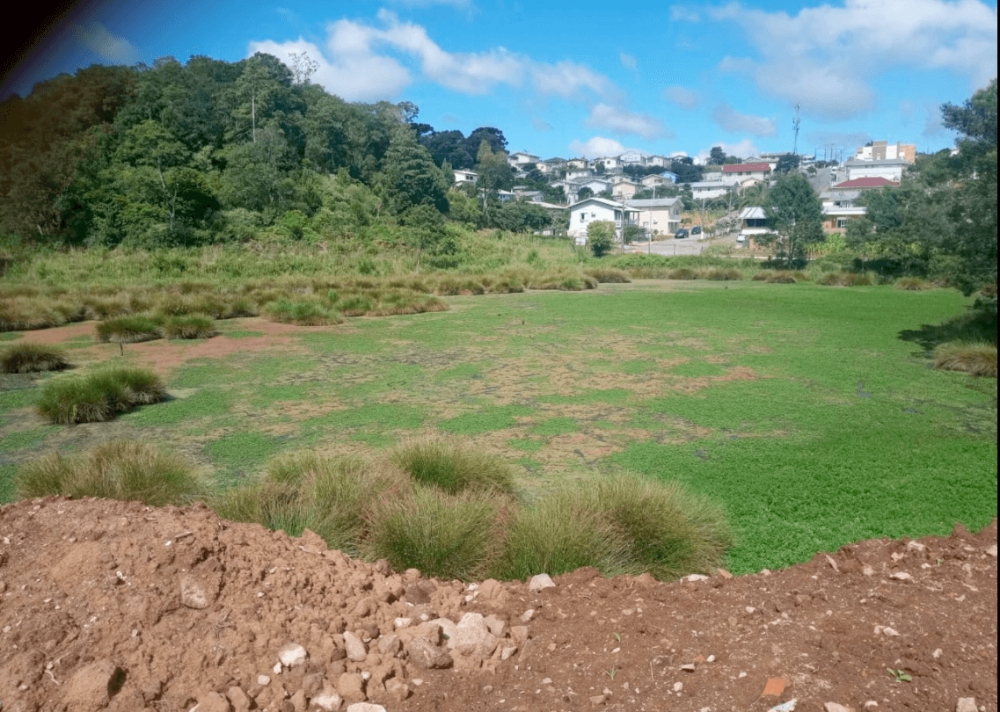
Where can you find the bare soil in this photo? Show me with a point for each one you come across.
(114, 605)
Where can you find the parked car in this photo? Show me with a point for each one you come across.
(681, 234)
(696, 231)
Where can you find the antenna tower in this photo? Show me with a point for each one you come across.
(795, 127)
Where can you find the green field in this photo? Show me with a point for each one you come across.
(810, 413)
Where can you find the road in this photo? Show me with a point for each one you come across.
(670, 246)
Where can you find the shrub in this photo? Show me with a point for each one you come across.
(442, 535)
(844, 279)
(759, 277)
(682, 273)
(719, 274)
(609, 275)
(128, 329)
(193, 326)
(777, 277)
(113, 470)
(453, 466)
(301, 311)
(355, 305)
(913, 284)
(977, 358)
(31, 358)
(25, 313)
(99, 396)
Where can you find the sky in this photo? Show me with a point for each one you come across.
(583, 78)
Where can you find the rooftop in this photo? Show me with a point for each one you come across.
(753, 213)
(870, 182)
(653, 203)
(746, 167)
(881, 162)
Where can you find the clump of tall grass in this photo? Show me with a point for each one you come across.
(27, 357)
(913, 284)
(977, 358)
(128, 329)
(305, 312)
(719, 274)
(25, 313)
(100, 396)
(114, 470)
(191, 326)
(844, 279)
(453, 466)
(682, 273)
(778, 277)
(608, 275)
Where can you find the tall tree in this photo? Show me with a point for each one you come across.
(410, 177)
(796, 214)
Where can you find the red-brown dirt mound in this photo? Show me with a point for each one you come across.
(118, 606)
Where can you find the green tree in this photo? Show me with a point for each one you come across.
(601, 237)
(796, 215)
(495, 175)
(410, 177)
(787, 163)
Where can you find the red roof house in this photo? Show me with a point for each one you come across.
(746, 168)
(869, 182)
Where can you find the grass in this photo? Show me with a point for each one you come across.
(453, 466)
(979, 359)
(114, 470)
(27, 357)
(844, 279)
(128, 329)
(913, 284)
(304, 312)
(100, 396)
(191, 326)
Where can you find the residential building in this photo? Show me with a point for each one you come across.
(590, 210)
(710, 189)
(754, 223)
(658, 217)
(650, 181)
(840, 201)
(890, 168)
(521, 159)
(462, 176)
(625, 189)
(575, 173)
(577, 163)
(534, 196)
(883, 151)
(740, 173)
(608, 163)
(657, 161)
(632, 158)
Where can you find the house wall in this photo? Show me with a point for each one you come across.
(709, 193)
(659, 221)
(581, 216)
(874, 170)
(626, 190)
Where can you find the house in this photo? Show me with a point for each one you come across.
(577, 163)
(658, 217)
(890, 168)
(533, 196)
(654, 180)
(590, 210)
(608, 163)
(575, 173)
(462, 176)
(670, 175)
(882, 151)
(740, 173)
(754, 224)
(522, 159)
(572, 188)
(505, 196)
(631, 158)
(840, 201)
(658, 161)
(710, 189)
(625, 189)
(551, 166)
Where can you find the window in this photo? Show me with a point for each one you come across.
(842, 222)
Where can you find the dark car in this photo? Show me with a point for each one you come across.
(696, 231)
(681, 234)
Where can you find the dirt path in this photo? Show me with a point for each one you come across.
(112, 605)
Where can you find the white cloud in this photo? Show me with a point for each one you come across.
(682, 96)
(596, 147)
(628, 61)
(105, 45)
(625, 122)
(743, 149)
(728, 119)
(679, 13)
(823, 57)
(540, 124)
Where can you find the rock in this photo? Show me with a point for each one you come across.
(492, 593)
(724, 574)
(365, 707)
(87, 689)
(528, 615)
(496, 625)
(992, 551)
(416, 595)
(678, 686)
(355, 648)
(540, 583)
(473, 638)
(197, 592)
(213, 702)
(885, 630)
(901, 576)
(428, 656)
(397, 689)
(688, 668)
(967, 704)
(239, 700)
(298, 701)
(263, 680)
(352, 688)
(327, 701)
(834, 707)
(519, 634)
(447, 626)
(598, 700)
(402, 622)
(292, 654)
(507, 652)
(389, 645)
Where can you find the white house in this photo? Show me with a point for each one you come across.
(625, 189)
(659, 161)
(739, 173)
(658, 217)
(577, 163)
(653, 180)
(462, 176)
(575, 173)
(608, 163)
(710, 189)
(890, 169)
(631, 158)
(882, 150)
(754, 224)
(521, 159)
(590, 210)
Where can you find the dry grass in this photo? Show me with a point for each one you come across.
(844, 279)
(913, 284)
(31, 358)
(682, 273)
(719, 274)
(192, 326)
(977, 358)
(453, 466)
(128, 329)
(608, 275)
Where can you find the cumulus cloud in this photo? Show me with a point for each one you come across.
(628, 61)
(625, 122)
(728, 119)
(105, 45)
(682, 96)
(364, 62)
(596, 147)
(823, 57)
(743, 149)
(540, 124)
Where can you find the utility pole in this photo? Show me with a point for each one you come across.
(795, 127)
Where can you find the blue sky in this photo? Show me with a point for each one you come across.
(591, 78)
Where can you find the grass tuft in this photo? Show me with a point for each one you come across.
(304, 312)
(193, 326)
(913, 284)
(682, 273)
(453, 466)
(114, 470)
(128, 329)
(27, 357)
(719, 274)
(844, 279)
(977, 358)
(609, 275)
(100, 396)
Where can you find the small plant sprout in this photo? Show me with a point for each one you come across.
(611, 673)
(618, 637)
(899, 675)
